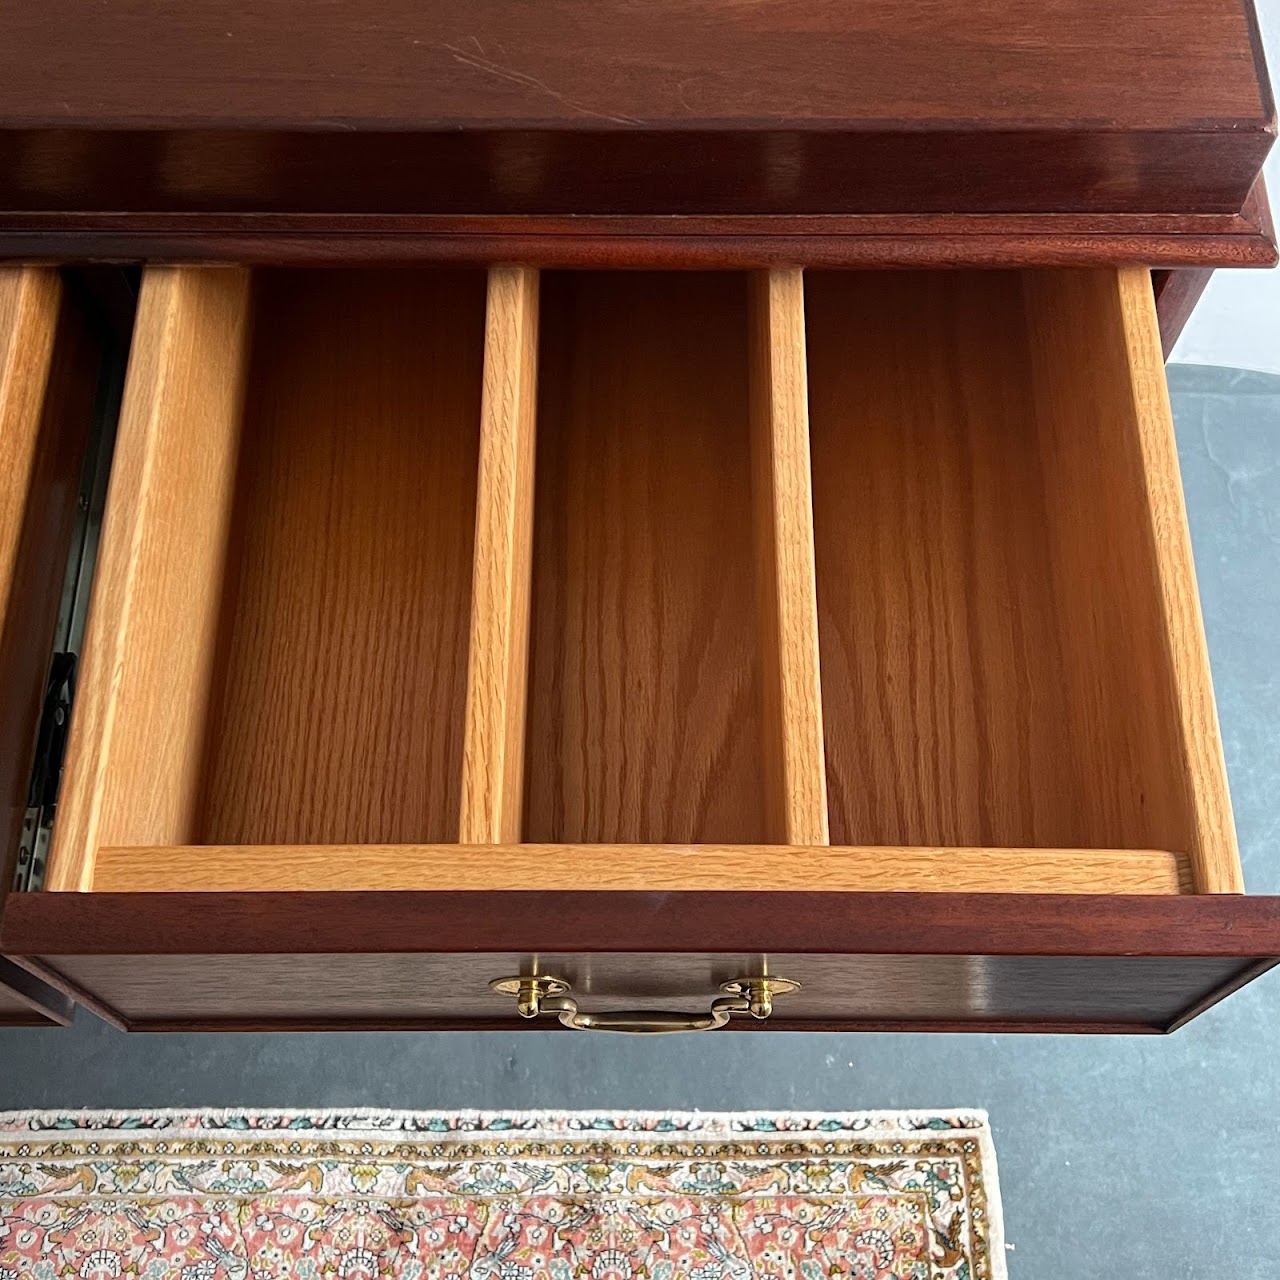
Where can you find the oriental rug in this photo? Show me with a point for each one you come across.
(368, 1195)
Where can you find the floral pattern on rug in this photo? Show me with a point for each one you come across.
(491, 1196)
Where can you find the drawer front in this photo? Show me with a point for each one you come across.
(926, 962)
(646, 633)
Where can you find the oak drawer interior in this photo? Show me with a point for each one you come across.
(334, 708)
(645, 704)
(856, 580)
(992, 632)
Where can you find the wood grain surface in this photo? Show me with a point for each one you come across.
(35, 469)
(340, 686)
(991, 457)
(29, 305)
(1103, 568)
(133, 768)
(1236, 239)
(498, 665)
(1214, 853)
(1177, 293)
(358, 921)
(786, 590)
(415, 989)
(253, 868)
(942, 659)
(331, 957)
(1136, 669)
(491, 106)
(1156, 63)
(645, 700)
(1021, 750)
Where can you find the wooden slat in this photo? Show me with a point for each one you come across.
(786, 578)
(133, 765)
(1215, 857)
(29, 306)
(497, 675)
(29, 299)
(1135, 667)
(249, 868)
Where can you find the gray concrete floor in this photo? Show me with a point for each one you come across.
(1134, 1157)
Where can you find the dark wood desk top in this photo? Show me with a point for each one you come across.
(810, 65)
(120, 111)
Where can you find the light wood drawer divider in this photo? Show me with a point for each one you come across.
(134, 759)
(498, 670)
(813, 868)
(786, 579)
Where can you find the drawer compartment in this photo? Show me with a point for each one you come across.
(887, 573)
(652, 595)
(644, 698)
(1011, 653)
(338, 676)
(286, 568)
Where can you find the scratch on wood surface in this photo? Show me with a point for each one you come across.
(481, 63)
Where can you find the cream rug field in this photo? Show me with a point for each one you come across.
(361, 1195)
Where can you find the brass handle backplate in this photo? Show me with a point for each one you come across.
(537, 994)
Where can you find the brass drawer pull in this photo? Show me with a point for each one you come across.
(539, 993)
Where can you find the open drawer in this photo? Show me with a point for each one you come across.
(645, 634)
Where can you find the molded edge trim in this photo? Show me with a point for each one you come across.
(359, 922)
